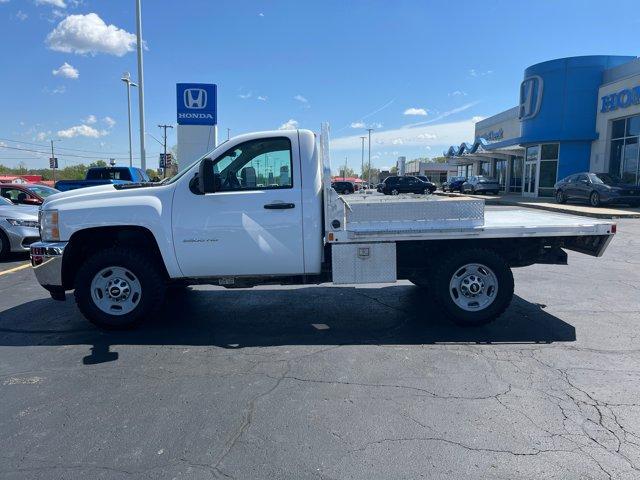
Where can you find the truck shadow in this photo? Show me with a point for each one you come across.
(235, 319)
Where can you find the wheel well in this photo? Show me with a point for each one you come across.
(84, 243)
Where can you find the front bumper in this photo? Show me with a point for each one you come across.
(46, 260)
(21, 238)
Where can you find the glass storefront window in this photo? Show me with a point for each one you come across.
(532, 153)
(548, 169)
(618, 128)
(517, 164)
(549, 151)
(501, 173)
(485, 168)
(624, 154)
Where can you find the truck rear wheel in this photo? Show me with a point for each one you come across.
(118, 288)
(473, 286)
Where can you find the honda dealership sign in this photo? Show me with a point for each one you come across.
(197, 103)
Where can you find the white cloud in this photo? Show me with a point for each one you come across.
(90, 120)
(53, 3)
(89, 34)
(67, 71)
(458, 93)
(110, 122)
(442, 134)
(301, 99)
(21, 16)
(42, 136)
(57, 90)
(290, 124)
(244, 96)
(358, 125)
(416, 111)
(442, 115)
(261, 14)
(262, 98)
(476, 73)
(82, 131)
(477, 119)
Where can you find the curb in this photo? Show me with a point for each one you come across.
(557, 209)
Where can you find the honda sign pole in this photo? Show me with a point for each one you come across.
(143, 158)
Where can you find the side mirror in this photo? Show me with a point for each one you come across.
(31, 201)
(206, 179)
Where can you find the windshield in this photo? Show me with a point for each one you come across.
(42, 191)
(5, 201)
(109, 174)
(604, 178)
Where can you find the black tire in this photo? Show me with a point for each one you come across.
(451, 265)
(395, 192)
(594, 199)
(146, 270)
(5, 246)
(561, 197)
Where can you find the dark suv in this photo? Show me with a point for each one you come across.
(395, 185)
(343, 187)
(454, 184)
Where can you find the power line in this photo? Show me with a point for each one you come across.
(65, 154)
(63, 148)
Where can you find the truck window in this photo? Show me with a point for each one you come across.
(113, 173)
(255, 165)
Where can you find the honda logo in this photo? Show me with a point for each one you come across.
(530, 97)
(195, 98)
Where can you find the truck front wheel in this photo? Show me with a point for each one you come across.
(118, 288)
(473, 286)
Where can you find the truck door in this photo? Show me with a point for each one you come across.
(252, 224)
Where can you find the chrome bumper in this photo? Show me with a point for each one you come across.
(46, 260)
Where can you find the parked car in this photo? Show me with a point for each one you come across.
(432, 186)
(104, 176)
(343, 187)
(481, 184)
(26, 193)
(454, 184)
(597, 189)
(18, 227)
(406, 184)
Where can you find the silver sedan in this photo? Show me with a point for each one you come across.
(18, 227)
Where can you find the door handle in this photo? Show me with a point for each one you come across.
(279, 206)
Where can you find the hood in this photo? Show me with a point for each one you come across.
(22, 212)
(80, 192)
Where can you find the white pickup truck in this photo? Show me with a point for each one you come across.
(259, 209)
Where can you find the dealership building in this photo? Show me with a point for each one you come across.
(575, 114)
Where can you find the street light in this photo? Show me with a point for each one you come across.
(369, 130)
(53, 160)
(362, 161)
(126, 78)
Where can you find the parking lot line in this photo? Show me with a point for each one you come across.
(15, 269)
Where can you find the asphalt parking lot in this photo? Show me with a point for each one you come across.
(330, 382)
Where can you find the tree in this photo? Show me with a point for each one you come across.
(393, 170)
(346, 172)
(375, 172)
(98, 164)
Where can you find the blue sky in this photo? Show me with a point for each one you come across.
(419, 72)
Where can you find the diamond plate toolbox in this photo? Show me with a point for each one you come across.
(413, 214)
(363, 262)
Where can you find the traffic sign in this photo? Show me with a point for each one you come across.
(166, 162)
(53, 162)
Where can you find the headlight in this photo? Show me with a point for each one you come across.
(22, 223)
(49, 230)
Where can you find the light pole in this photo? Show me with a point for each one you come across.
(362, 161)
(228, 134)
(164, 127)
(369, 130)
(143, 154)
(126, 78)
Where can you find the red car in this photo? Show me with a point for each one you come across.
(26, 193)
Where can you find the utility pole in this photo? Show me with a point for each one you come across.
(344, 172)
(143, 153)
(164, 127)
(362, 161)
(369, 130)
(228, 134)
(53, 162)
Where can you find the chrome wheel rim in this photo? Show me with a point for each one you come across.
(116, 290)
(594, 199)
(559, 196)
(394, 192)
(473, 287)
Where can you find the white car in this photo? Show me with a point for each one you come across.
(18, 227)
